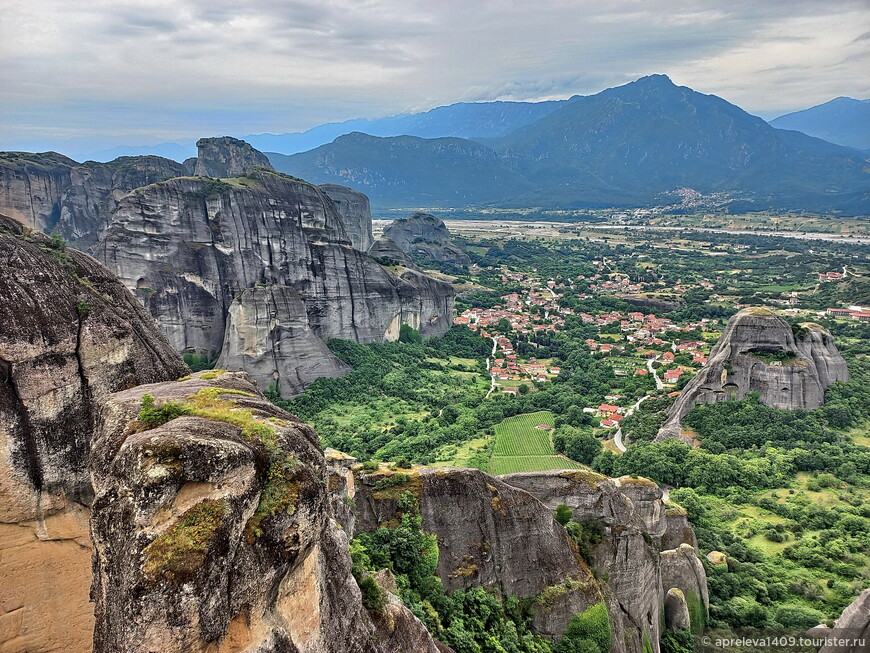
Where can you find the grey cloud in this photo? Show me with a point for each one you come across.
(165, 68)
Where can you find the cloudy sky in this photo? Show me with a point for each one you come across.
(109, 72)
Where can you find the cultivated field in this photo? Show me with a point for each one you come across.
(520, 447)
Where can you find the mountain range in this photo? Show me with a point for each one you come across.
(843, 120)
(462, 119)
(631, 145)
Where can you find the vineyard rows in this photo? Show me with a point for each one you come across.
(521, 447)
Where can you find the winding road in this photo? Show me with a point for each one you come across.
(649, 365)
(492, 383)
(617, 439)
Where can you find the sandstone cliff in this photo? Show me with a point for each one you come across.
(760, 352)
(190, 245)
(69, 334)
(636, 529)
(500, 533)
(356, 213)
(387, 252)
(425, 235)
(214, 532)
(227, 157)
(49, 191)
(267, 336)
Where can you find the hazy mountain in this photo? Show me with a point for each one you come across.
(843, 120)
(463, 119)
(624, 146)
(408, 170)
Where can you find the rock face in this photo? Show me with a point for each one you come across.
(189, 246)
(491, 535)
(682, 569)
(636, 528)
(69, 334)
(853, 624)
(425, 235)
(49, 191)
(387, 252)
(219, 536)
(227, 157)
(356, 213)
(760, 352)
(676, 610)
(500, 533)
(267, 336)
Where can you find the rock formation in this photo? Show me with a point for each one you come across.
(761, 352)
(189, 246)
(69, 334)
(491, 535)
(214, 531)
(425, 235)
(267, 336)
(386, 252)
(49, 191)
(676, 610)
(500, 533)
(356, 213)
(637, 527)
(227, 157)
(853, 624)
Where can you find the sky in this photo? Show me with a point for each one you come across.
(96, 73)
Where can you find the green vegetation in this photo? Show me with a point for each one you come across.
(151, 416)
(783, 494)
(588, 632)
(180, 551)
(784, 358)
(563, 514)
(520, 446)
(197, 362)
(211, 188)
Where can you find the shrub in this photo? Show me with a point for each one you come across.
(563, 514)
(587, 631)
(151, 416)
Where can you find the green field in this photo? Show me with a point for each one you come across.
(520, 447)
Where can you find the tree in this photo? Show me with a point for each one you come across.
(563, 514)
(410, 335)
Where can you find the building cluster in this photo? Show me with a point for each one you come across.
(854, 312)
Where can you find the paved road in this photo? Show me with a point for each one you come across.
(617, 439)
(649, 365)
(492, 383)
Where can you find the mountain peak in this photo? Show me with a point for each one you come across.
(656, 81)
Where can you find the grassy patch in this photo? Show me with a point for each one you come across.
(181, 550)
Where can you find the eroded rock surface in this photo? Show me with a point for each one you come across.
(189, 246)
(267, 336)
(215, 530)
(226, 156)
(49, 191)
(425, 235)
(853, 624)
(387, 252)
(69, 334)
(500, 533)
(356, 213)
(760, 352)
